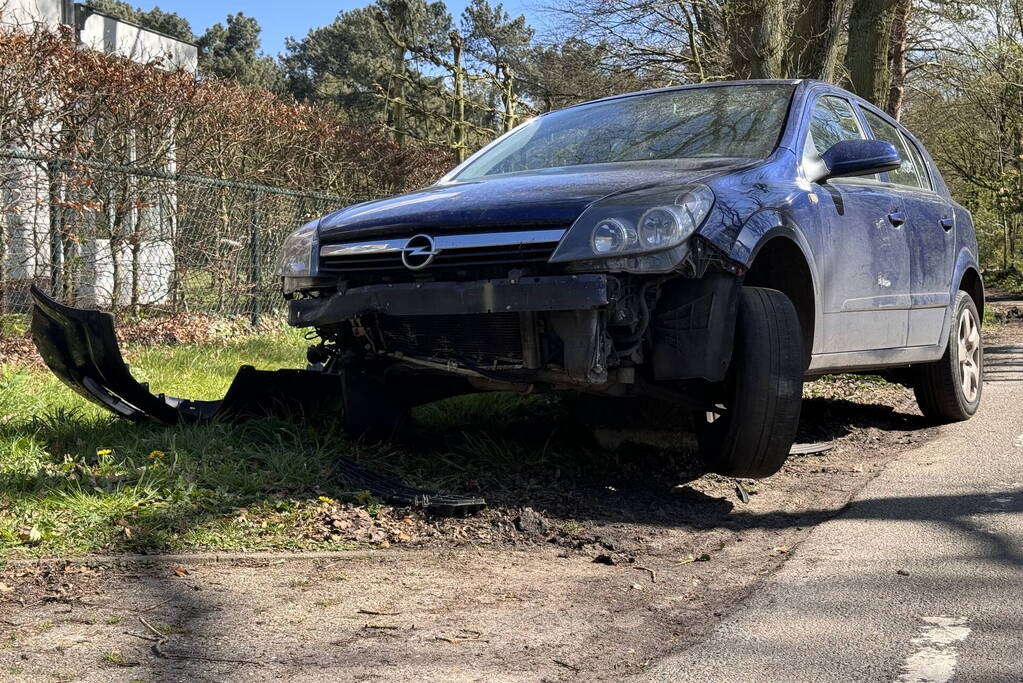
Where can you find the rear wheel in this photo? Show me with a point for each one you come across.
(949, 389)
(763, 394)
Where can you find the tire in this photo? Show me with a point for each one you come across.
(764, 391)
(949, 389)
(370, 408)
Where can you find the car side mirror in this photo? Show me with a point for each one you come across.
(849, 158)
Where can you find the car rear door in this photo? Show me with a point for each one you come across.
(865, 262)
(930, 230)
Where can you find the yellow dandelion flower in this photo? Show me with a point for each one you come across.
(103, 451)
(325, 499)
(156, 455)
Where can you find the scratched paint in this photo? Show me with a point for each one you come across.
(934, 657)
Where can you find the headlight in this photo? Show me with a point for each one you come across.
(298, 261)
(642, 230)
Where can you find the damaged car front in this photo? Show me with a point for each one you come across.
(589, 249)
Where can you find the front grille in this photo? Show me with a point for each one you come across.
(510, 256)
(483, 338)
(481, 255)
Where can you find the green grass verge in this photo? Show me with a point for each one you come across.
(73, 479)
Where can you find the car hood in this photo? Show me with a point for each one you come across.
(547, 197)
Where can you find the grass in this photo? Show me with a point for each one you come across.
(115, 658)
(13, 324)
(75, 480)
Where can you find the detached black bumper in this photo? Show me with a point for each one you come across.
(80, 347)
(550, 293)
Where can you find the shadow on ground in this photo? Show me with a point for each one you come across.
(1003, 363)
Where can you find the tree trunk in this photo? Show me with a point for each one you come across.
(458, 73)
(397, 95)
(813, 44)
(897, 57)
(508, 97)
(755, 28)
(1005, 241)
(866, 58)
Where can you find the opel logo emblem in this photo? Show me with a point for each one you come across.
(418, 252)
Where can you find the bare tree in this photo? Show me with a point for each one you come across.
(813, 44)
(866, 57)
(897, 57)
(756, 31)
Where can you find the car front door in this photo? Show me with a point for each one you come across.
(930, 229)
(865, 264)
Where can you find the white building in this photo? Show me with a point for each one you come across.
(25, 188)
(97, 31)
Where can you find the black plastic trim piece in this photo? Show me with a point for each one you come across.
(694, 327)
(80, 347)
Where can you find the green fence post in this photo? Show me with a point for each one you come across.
(255, 257)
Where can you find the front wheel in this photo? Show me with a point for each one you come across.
(949, 389)
(763, 394)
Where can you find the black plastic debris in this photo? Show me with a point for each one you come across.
(80, 347)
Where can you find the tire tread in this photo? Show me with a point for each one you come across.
(767, 402)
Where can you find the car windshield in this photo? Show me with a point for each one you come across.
(733, 121)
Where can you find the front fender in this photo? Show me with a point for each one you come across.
(770, 224)
(764, 225)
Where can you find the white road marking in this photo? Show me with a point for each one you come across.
(1019, 442)
(935, 659)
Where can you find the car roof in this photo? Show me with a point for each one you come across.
(706, 84)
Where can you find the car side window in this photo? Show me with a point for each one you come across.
(833, 121)
(912, 172)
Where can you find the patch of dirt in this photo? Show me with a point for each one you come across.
(1007, 314)
(19, 350)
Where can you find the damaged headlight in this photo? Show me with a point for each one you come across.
(639, 231)
(298, 262)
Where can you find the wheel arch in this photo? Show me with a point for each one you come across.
(779, 262)
(973, 284)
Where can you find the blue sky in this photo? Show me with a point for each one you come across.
(280, 19)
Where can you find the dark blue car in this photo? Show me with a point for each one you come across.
(710, 245)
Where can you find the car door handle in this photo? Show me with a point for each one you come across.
(896, 218)
(947, 223)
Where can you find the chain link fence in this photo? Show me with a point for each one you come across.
(139, 240)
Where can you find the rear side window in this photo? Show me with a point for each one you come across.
(912, 172)
(833, 121)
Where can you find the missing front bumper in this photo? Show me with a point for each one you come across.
(511, 295)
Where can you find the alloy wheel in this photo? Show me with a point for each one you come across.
(969, 355)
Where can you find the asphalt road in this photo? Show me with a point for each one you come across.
(919, 579)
